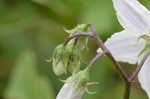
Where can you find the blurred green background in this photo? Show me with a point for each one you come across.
(29, 32)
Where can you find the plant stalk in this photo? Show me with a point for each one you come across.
(127, 90)
(127, 79)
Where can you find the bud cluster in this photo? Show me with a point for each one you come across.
(67, 58)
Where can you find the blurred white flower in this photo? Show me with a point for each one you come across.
(68, 91)
(75, 86)
(127, 45)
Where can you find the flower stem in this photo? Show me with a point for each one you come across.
(127, 79)
(138, 68)
(98, 56)
(102, 46)
(127, 90)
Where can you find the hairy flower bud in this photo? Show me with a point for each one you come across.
(66, 58)
(57, 60)
(79, 28)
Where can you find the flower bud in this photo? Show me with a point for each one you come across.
(78, 28)
(68, 92)
(75, 86)
(66, 59)
(57, 60)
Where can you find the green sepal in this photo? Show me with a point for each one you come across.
(89, 92)
(146, 37)
(81, 81)
(78, 28)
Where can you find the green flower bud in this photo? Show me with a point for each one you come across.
(73, 56)
(80, 79)
(69, 92)
(57, 61)
(66, 59)
(78, 28)
(75, 86)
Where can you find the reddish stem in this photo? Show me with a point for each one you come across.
(128, 79)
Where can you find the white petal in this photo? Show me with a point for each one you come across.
(68, 92)
(125, 46)
(132, 15)
(144, 76)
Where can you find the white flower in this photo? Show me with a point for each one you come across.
(75, 86)
(144, 76)
(68, 91)
(126, 46)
